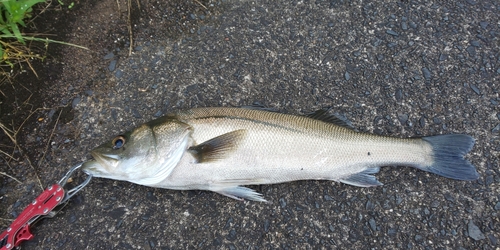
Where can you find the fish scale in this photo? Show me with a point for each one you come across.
(272, 149)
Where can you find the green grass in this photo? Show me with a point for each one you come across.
(12, 14)
(13, 43)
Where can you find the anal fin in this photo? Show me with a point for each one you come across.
(240, 193)
(363, 179)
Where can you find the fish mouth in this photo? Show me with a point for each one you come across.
(92, 168)
(101, 165)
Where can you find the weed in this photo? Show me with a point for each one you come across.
(12, 14)
(13, 47)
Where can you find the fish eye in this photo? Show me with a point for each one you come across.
(118, 142)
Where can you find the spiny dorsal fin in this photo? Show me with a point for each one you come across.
(326, 116)
(217, 148)
(259, 106)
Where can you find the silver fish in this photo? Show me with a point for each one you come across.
(221, 149)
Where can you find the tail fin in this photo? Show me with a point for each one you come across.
(449, 151)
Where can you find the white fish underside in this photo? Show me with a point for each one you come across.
(276, 150)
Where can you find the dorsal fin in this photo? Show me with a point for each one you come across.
(326, 116)
(217, 148)
(259, 106)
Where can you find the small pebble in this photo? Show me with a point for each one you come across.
(369, 205)
(404, 26)
(376, 42)
(158, 113)
(119, 73)
(422, 122)
(403, 118)
(427, 74)
(471, 50)
(136, 113)
(399, 94)
(475, 89)
(75, 101)
(267, 224)
(347, 75)
(449, 197)
(493, 239)
(484, 24)
(426, 211)
(496, 129)
(474, 231)
(16, 204)
(108, 56)
(475, 43)
(436, 120)
(392, 32)
(282, 202)
(232, 235)
(373, 224)
(72, 219)
(112, 65)
(497, 206)
(443, 57)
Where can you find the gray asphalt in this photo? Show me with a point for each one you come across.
(398, 68)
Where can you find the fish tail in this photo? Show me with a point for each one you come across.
(448, 152)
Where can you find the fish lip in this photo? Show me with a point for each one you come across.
(114, 157)
(104, 160)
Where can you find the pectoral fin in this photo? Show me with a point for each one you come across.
(217, 148)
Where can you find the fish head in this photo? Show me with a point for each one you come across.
(144, 155)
